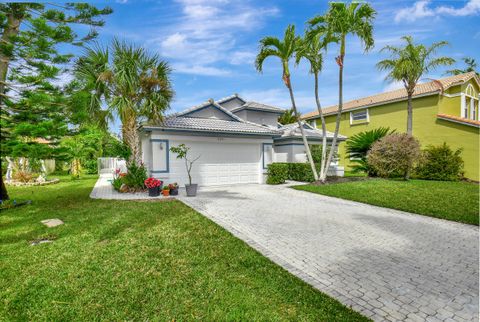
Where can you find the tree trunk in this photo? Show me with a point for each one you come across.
(409, 114)
(11, 30)
(3, 190)
(304, 138)
(131, 139)
(340, 60)
(323, 171)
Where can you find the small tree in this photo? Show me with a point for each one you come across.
(394, 155)
(182, 153)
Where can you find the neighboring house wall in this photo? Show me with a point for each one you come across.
(427, 128)
(209, 113)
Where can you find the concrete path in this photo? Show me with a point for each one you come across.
(386, 264)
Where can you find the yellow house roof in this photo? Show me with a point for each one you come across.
(430, 88)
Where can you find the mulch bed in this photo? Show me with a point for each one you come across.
(334, 180)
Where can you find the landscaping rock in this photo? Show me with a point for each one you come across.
(52, 222)
(42, 241)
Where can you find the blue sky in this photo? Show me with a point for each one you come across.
(211, 44)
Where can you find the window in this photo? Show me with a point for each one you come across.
(469, 109)
(359, 116)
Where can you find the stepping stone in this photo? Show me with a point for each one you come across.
(43, 241)
(52, 222)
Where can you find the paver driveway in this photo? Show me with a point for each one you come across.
(387, 264)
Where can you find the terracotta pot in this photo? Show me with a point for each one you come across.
(166, 193)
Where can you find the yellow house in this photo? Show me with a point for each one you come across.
(444, 110)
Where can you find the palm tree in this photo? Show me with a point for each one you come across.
(471, 66)
(288, 117)
(408, 63)
(311, 49)
(341, 20)
(285, 50)
(135, 84)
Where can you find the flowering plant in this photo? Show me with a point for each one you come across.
(118, 174)
(173, 186)
(152, 183)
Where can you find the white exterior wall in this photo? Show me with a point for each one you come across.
(223, 160)
(263, 118)
(231, 104)
(211, 113)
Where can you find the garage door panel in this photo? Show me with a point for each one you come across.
(219, 163)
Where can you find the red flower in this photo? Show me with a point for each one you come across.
(152, 183)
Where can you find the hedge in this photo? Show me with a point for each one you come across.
(279, 172)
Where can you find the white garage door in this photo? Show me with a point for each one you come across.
(219, 163)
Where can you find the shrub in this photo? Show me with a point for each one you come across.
(136, 176)
(440, 163)
(394, 155)
(358, 145)
(91, 166)
(277, 173)
(300, 172)
(23, 176)
(117, 183)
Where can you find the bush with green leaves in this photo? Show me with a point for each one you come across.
(358, 145)
(440, 163)
(136, 176)
(277, 173)
(394, 155)
(117, 183)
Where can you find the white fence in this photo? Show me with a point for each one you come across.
(109, 165)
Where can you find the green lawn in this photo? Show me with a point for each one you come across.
(457, 201)
(126, 260)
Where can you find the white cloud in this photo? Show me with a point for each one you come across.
(242, 58)
(195, 69)
(393, 86)
(421, 9)
(206, 34)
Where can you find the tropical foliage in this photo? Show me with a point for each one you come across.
(408, 63)
(288, 117)
(358, 145)
(470, 66)
(340, 21)
(285, 49)
(134, 83)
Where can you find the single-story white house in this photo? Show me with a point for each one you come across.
(235, 139)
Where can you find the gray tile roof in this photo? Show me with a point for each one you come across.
(293, 131)
(259, 107)
(213, 125)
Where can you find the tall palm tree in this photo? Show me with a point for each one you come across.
(408, 63)
(471, 66)
(135, 85)
(311, 49)
(341, 20)
(285, 49)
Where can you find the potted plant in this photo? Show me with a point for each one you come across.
(182, 153)
(173, 189)
(153, 186)
(166, 191)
